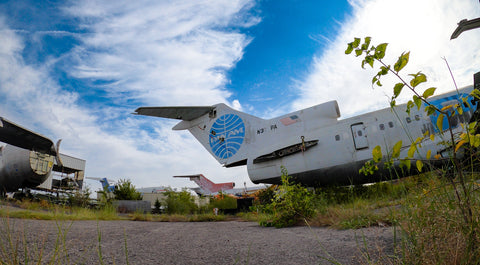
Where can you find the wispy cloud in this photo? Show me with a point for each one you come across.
(127, 55)
(421, 27)
(161, 52)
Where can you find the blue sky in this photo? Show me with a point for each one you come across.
(76, 69)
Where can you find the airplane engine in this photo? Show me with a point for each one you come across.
(23, 168)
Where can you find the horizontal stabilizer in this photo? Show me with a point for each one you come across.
(14, 134)
(179, 113)
(465, 25)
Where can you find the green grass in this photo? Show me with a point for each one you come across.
(423, 207)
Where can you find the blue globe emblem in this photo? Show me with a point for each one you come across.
(226, 135)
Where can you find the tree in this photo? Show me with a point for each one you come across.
(124, 190)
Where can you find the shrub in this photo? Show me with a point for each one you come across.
(125, 190)
(179, 202)
(223, 202)
(291, 204)
(80, 198)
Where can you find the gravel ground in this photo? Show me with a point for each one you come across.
(232, 242)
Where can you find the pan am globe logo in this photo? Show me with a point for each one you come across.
(226, 135)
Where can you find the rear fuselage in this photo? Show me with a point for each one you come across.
(344, 146)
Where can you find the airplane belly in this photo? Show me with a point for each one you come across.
(23, 168)
(344, 174)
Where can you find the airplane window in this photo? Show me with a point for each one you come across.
(417, 117)
(408, 119)
(359, 133)
(390, 124)
(382, 126)
(337, 137)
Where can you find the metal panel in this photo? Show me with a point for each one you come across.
(73, 162)
(359, 136)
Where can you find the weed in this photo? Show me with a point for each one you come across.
(440, 226)
(291, 204)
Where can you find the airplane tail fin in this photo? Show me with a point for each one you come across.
(223, 131)
(106, 186)
(208, 185)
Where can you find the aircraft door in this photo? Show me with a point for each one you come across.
(359, 136)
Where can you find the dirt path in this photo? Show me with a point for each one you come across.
(191, 243)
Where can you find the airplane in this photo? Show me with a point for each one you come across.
(27, 159)
(314, 145)
(208, 187)
(105, 184)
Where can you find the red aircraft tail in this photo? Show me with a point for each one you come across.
(207, 185)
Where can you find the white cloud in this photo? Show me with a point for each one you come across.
(154, 53)
(166, 52)
(177, 53)
(422, 27)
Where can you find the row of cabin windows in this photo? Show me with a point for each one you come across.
(457, 118)
(408, 119)
(382, 126)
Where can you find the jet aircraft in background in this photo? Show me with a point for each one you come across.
(313, 144)
(27, 159)
(106, 186)
(206, 186)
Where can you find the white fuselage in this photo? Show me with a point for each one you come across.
(312, 144)
(344, 146)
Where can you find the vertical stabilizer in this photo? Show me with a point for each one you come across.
(223, 131)
(208, 186)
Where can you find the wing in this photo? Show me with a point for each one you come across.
(179, 113)
(14, 134)
(465, 25)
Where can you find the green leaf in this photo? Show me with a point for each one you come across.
(440, 122)
(384, 70)
(356, 42)
(475, 93)
(410, 104)
(358, 52)
(349, 48)
(417, 101)
(459, 109)
(397, 89)
(369, 60)
(377, 154)
(471, 126)
(419, 165)
(465, 102)
(405, 162)
(429, 92)
(418, 78)
(366, 44)
(393, 103)
(396, 149)
(401, 62)
(380, 51)
(476, 141)
(411, 150)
